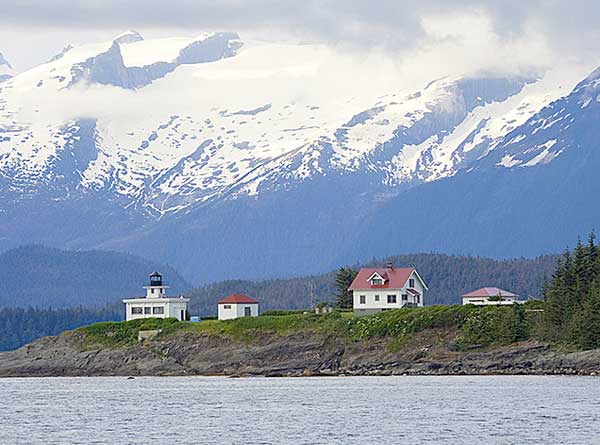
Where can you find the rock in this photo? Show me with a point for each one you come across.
(300, 354)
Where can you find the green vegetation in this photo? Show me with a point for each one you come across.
(500, 325)
(119, 334)
(280, 312)
(470, 325)
(572, 315)
(114, 334)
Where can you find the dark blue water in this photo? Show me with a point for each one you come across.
(341, 410)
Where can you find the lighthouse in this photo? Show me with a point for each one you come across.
(156, 303)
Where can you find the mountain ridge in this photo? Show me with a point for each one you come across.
(250, 153)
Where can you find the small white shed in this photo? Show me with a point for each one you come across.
(236, 306)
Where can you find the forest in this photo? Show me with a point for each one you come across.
(19, 326)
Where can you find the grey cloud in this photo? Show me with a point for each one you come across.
(390, 22)
(328, 19)
(567, 27)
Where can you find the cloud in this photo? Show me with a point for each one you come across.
(352, 20)
(401, 26)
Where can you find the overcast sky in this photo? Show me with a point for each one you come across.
(541, 31)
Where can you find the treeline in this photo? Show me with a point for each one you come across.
(572, 312)
(20, 326)
(293, 293)
(448, 277)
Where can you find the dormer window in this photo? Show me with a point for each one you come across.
(376, 280)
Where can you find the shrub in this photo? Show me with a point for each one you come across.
(401, 322)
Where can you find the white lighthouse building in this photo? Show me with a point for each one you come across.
(156, 304)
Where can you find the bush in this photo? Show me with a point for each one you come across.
(498, 325)
(280, 312)
(401, 322)
(122, 333)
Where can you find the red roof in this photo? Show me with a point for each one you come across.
(489, 292)
(238, 298)
(394, 278)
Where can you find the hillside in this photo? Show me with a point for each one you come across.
(447, 276)
(45, 277)
(453, 340)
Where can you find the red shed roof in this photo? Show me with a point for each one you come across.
(238, 298)
(490, 292)
(394, 278)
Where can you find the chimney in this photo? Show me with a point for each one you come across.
(389, 265)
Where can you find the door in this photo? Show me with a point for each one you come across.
(247, 312)
(182, 318)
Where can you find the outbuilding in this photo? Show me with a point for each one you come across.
(490, 296)
(236, 306)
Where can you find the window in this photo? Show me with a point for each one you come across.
(376, 281)
(136, 310)
(151, 291)
(247, 311)
(158, 310)
(226, 306)
(147, 310)
(411, 282)
(363, 299)
(404, 297)
(376, 297)
(391, 299)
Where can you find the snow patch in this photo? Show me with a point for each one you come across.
(508, 161)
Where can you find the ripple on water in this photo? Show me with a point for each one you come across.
(297, 411)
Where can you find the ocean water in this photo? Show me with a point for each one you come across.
(333, 410)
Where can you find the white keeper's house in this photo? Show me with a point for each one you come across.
(376, 290)
(236, 306)
(156, 304)
(490, 296)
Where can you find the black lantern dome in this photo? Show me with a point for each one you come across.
(156, 279)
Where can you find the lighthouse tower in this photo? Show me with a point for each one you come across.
(156, 304)
(156, 289)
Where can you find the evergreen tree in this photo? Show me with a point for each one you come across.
(520, 329)
(589, 319)
(343, 280)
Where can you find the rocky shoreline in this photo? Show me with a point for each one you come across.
(299, 354)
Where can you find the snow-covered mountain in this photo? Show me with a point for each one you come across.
(176, 139)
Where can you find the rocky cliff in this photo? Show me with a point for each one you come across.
(297, 354)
